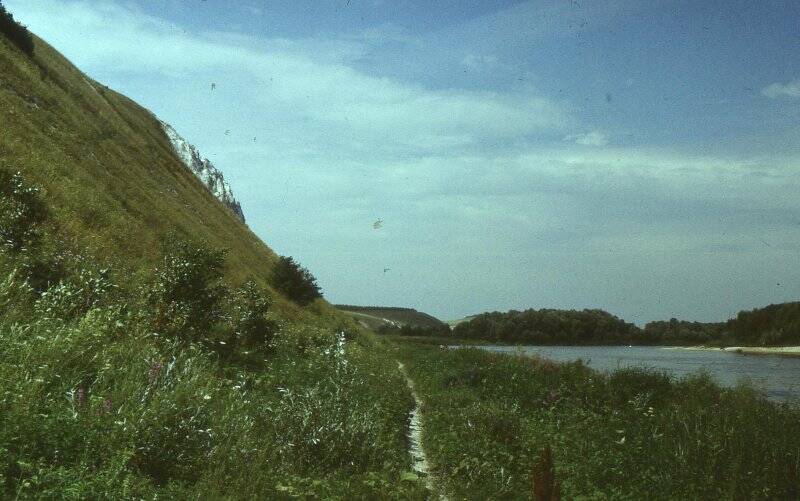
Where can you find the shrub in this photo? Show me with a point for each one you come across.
(248, 308)
(296, 282)
(15, 296)
(186, 295)
(16, 33)
(76, 295)
(21, 212)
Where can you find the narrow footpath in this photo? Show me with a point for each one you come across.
(419, 461)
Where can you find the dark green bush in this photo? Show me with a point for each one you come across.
(248, 306)
(22, 212)
(186, 296)
(296, 282)
(15, 32)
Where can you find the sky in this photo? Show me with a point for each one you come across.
(458, 156)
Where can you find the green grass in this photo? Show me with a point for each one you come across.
(101, 408)
(629, 435)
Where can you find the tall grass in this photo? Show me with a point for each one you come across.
(95, 408)
(633, 434)
(185, 388)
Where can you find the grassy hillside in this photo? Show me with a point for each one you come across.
(376, 316)
(112, 182)
(453, 323)
(144, 353)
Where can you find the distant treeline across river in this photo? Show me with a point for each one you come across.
(774, 325)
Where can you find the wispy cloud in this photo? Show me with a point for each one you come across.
(777, 90)
(308, 78)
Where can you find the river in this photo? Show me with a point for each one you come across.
(778, 377)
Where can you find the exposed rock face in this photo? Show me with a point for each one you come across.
(203, 169)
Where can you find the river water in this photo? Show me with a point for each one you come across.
(778, 377)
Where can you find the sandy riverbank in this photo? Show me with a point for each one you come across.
(786, 351)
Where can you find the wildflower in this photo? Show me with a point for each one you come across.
(105, 407)
(551, 398)
(155, 371)
(80, 396)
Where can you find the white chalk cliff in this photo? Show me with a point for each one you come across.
(203, 169)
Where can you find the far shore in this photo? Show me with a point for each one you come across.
(786, 351)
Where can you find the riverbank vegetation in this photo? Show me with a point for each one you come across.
(774, 325)
(547, 326)
(633, 434)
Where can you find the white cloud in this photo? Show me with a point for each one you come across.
(308, 79)
(776, 90)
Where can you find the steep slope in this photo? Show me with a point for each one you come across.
(112, 178)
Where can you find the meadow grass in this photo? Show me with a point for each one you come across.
(631, 434)
(96, 408)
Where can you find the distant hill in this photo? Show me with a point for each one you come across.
(453, 323)
(375, 317)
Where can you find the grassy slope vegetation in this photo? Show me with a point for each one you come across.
(134, 360)
(109, 174)
(376, 316)
(629, 435)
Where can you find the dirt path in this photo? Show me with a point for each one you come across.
(419, 461)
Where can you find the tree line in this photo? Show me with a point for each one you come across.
(548, 326)
(777, 324)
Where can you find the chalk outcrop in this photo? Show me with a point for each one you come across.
(211, 177)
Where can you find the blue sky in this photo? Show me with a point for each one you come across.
(640, 157)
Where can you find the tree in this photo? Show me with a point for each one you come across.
(185, 297)
(15, 32)
(294, 281)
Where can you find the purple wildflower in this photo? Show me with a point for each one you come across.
(551, 398)
(155, 371)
